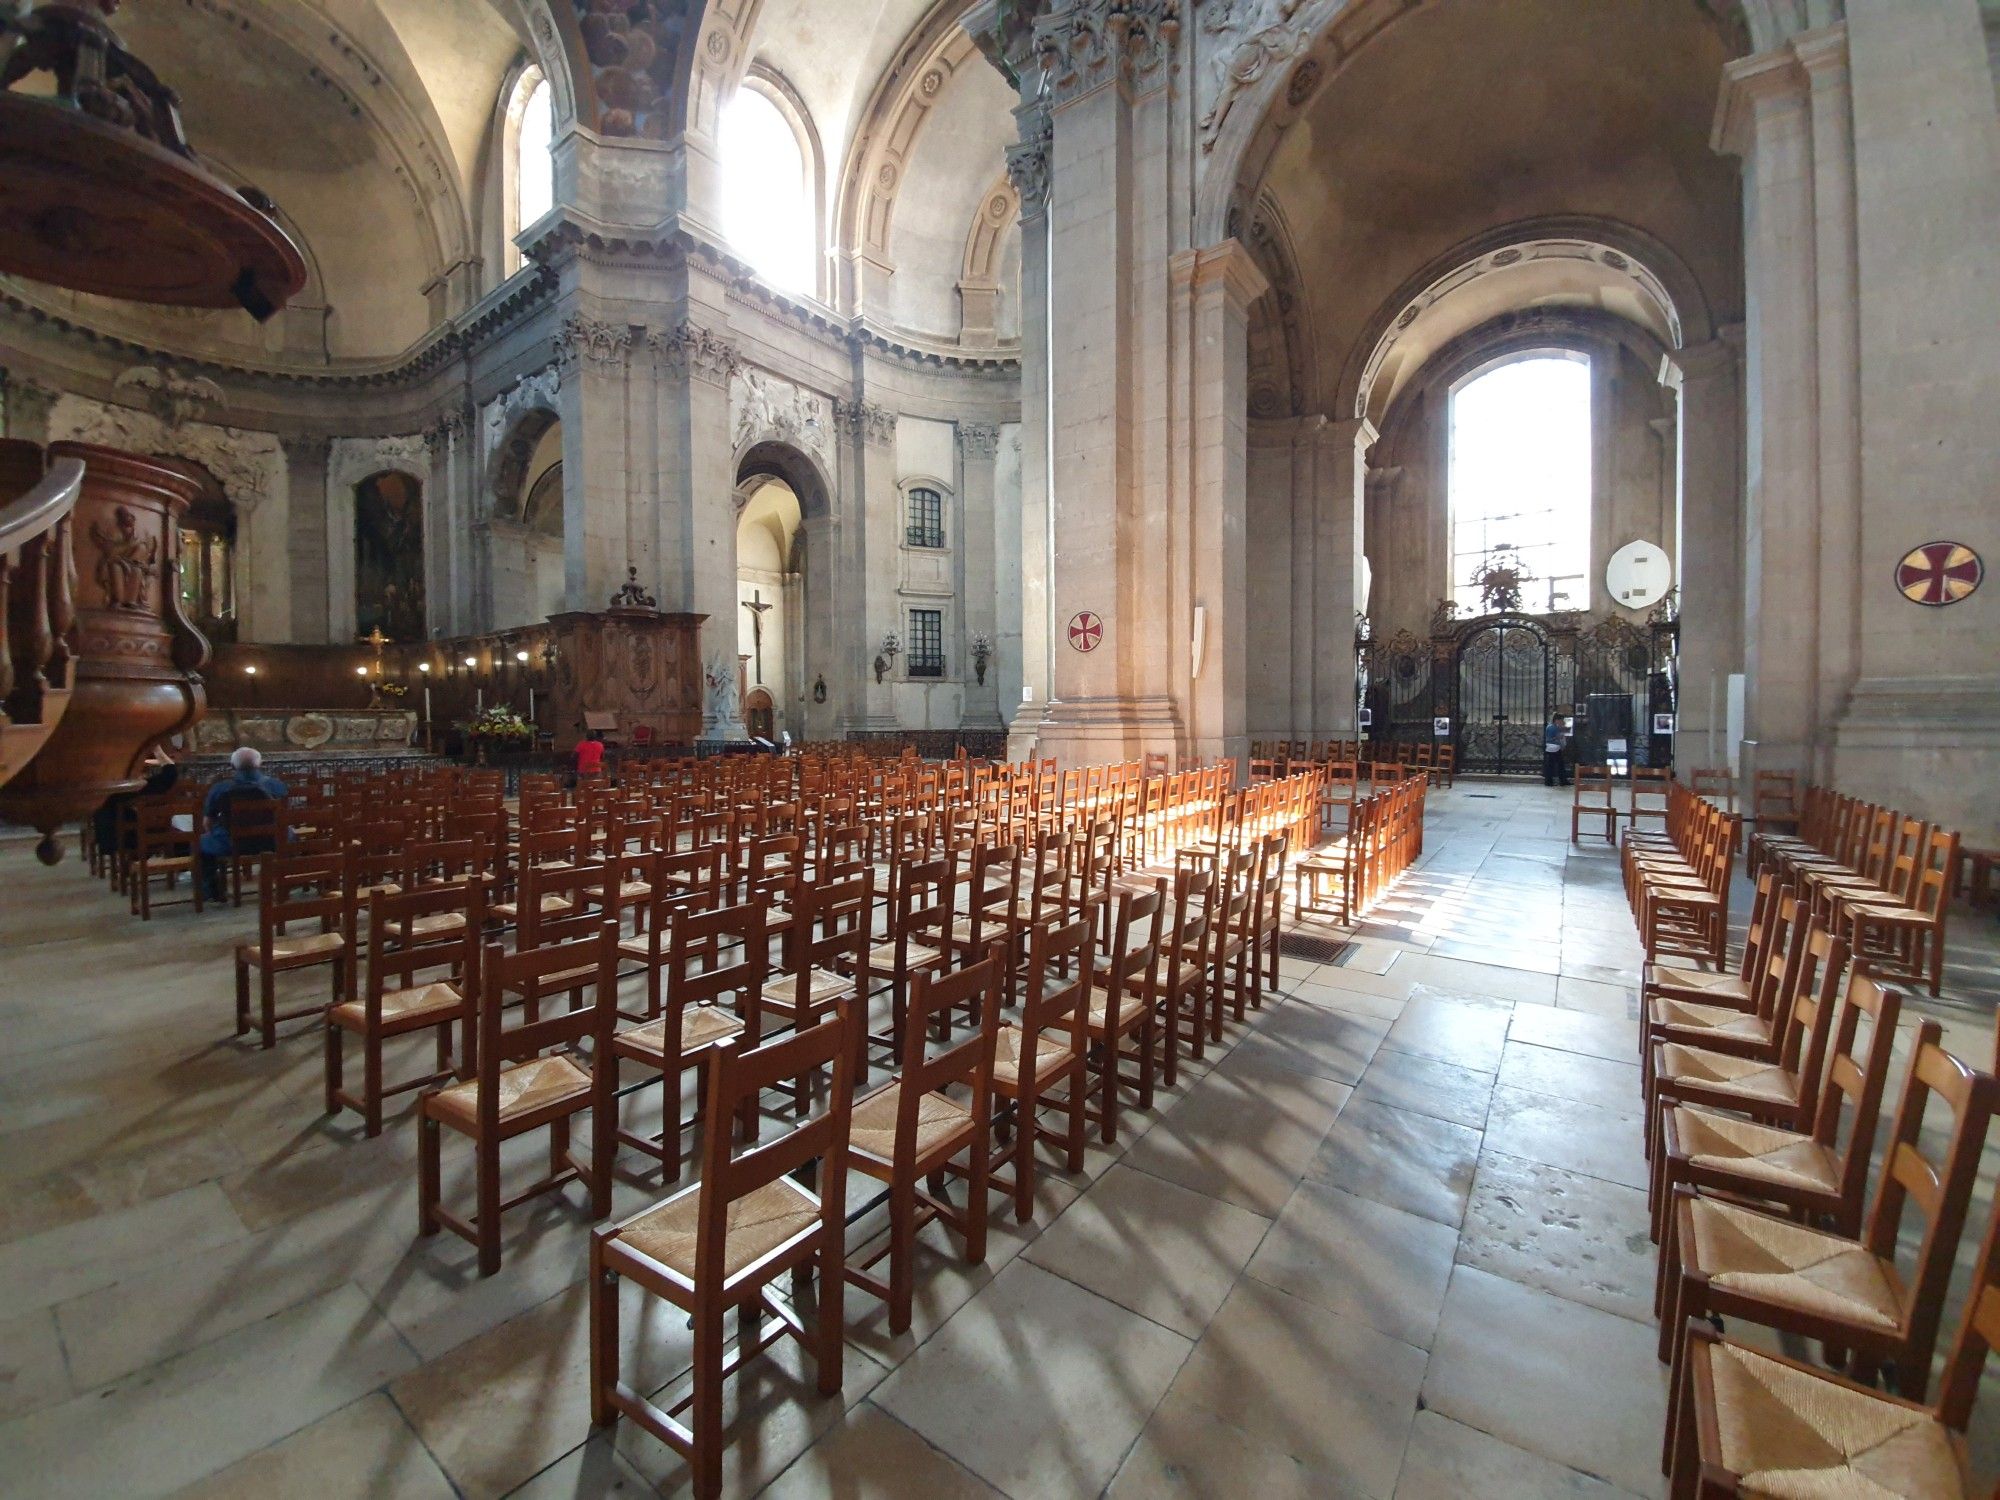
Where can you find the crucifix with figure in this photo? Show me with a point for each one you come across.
(756, 605)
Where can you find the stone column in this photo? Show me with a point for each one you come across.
(1341, 477)
(1026, 683)
(868, 563)
(598, 469)
(306, 535)
(1764, 116)
(978, 448)
(1708, 542)
(1215, 287)
(1920, 724)
(1118, 547)
(449, 520)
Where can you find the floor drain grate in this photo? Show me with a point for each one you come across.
(1318, 950)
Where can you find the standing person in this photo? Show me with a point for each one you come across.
(1553, 743)
(249, 780)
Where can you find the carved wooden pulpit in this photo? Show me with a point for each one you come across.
(644, 665)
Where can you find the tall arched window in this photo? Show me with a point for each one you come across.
(767, 194)
(535, 170)
(1520, 482)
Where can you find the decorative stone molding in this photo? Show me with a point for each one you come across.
(169, 395)
(538, 392)
(601, 344)
(1096, 42)
(978, 440)
(354, 459)
(1028, 160)
(766, 408)
(248, 465)
(1244, 40)
(865, 422)
(695, 352)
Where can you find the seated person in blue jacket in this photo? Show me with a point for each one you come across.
(249, 781)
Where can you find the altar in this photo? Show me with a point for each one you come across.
(362, 731)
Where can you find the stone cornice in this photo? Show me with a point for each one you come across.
(1227, 266)
(1749, 85)
(437, 349)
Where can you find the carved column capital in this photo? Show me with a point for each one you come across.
(1028, 159)
(696, 353)
(602, 345)
(1096, 42)
(865, 422)
(978, 440)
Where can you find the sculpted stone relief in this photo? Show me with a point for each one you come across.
(1243, 40)
(248, 465)
(539, 391)
(766, 408)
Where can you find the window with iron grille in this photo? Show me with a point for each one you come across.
(926, 526)
(927, 643)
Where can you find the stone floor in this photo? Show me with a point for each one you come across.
(1393, 1244)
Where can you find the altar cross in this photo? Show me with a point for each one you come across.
(756, 605)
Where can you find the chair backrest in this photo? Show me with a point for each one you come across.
(1776, 795)
(1594, 787)
(739, 1072)
(399, 948)
(154, 832)
(1940, 1187)
(1815, 967)
(1978, 1333)
(305, 888)
(921, 911)
(529, 972)
(446, 861)
(255, 820)
(1649, 790)
(1860, 1080)
(831, 921)
(934, 999)
(591, 894)
(1058, 1001)
(725, 950)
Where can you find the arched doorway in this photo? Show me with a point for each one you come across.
(208, 557)
(785, 549)
(767, 593)
(757, 715)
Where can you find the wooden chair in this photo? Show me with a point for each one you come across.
(1907, 937)
(1647, 795)
(1183, 970)
(1268, 917)
(1818, 1175)
(1752, 1015)
(1124, 1002)
(1594, 798)
(1045, 1051)
(911, 1132)
(1850, 1295)
(919, 928)
(826, 954)
(715, 968)
(161, 851)
(688, 881)
(721, 1243)
(1750, 1420)
(1777, 1084)
(411, 933)
(315, 888)
(527, 1077)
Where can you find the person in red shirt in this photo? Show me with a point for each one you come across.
(590, 755)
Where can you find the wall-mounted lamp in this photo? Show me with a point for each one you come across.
(982, 652)
(886, 657)
(471, 662)
(250, 670)
(360, 671)
(423, 666)
(520, 656)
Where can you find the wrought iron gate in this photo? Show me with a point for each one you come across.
(1503, 692)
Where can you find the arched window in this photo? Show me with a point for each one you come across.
(535, 169)
(528, 174)
(767, 194)
(1520, 484)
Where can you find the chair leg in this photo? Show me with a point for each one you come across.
(371, 1081)
(267, 998)
(1107, 1087)
(334, 1049)
(832, 1316)
(487, 1224)
(705, 1415)
(1024, 1157)
(603, 1335)
(429, 1146)
(902, 1214)
(978, 1169)
(242, 998)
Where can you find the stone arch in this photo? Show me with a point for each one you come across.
(979, 288)
(1284, 371)
(1256, 80)
(507, 486)
(886, 134)
(803, 472)
(1635, 263)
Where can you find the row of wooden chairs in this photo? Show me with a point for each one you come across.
(1437, 760)
(1880, 877)
(1763, 1090)
(1677, 879)
(1383, 838)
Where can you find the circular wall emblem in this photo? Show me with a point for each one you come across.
(1086, 630)
(1939, 573)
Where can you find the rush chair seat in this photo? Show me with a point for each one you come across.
(1907, 937)
(527, 1077)
(1776, 1085)
(311, 888)
(1759, 1423)
(1851, 1295)
(910, 1132)
(1818, 1175)
(1753, 1026)
(1043, 1052)
(825, 955)
(714, 970)
(408, 938)
(720, 1244)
